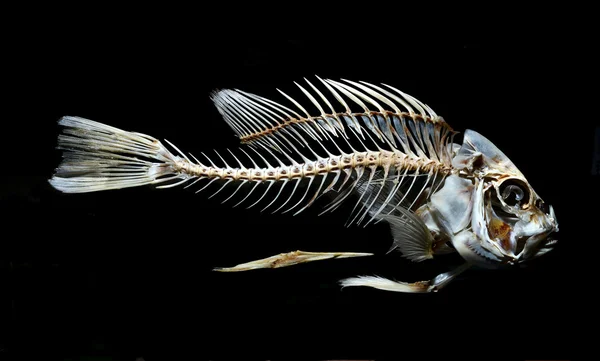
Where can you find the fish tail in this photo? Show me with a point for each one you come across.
(98, 157)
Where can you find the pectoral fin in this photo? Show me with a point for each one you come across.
(411, 235)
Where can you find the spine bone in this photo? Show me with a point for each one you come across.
(321, 166)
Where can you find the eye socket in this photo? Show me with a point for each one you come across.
(514, 192)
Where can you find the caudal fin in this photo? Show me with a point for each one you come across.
(99, 157)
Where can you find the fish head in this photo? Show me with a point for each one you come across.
(510, 223)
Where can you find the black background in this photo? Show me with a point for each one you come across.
(126, 274)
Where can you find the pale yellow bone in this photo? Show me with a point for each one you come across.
(289, 259)
(433, 285)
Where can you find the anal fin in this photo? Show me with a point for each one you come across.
(289, 259)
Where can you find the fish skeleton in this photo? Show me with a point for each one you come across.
(392, 152)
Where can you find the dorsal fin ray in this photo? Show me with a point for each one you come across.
(254, 118)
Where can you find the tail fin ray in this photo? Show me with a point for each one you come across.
(99, 157)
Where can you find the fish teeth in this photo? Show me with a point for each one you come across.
(553, 216)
